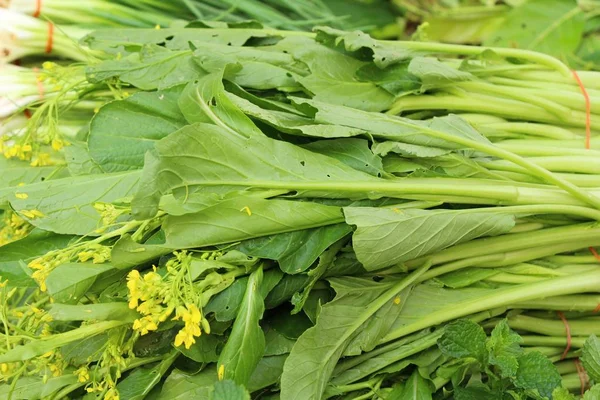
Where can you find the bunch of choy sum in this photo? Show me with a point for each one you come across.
(232, 211)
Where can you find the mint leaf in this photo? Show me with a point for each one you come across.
(503, 348)
(536, 372)
(464, 338)
(592, 394)
(476, 393)
(562, 394)
(590, 357)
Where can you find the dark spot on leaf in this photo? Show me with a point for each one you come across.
(229, 44)
(169, 38)
(379, 174)
(213, 102)
(285, 51)
(377, 278)
(288, 74)
(523, 25)
(302, 163)
(382, 58)
(215, 35)
(43, 179)
(329, 176)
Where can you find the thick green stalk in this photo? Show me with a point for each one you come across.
(588, 282)
(575, 302)
(579, 235)
(579, 327)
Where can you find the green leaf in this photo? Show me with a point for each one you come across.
(257, 68)
(285, 289)
(389, 127)
(122, 131)
(141, 381)
(85, 350)
(389, 236)
(229, 390)
(206, 349)
(277, 343)
(332, 76)
(295, 251)
(590, 357)
(503, 349)
(433, 73)
(15, 255)
(198, 150)
(246, 344)
(536, 372)
(464, 338)
(309, 367)
(15, 172)
(79, 161)
(67, 204)
(245, 217)
(353, 152)
(554, 27)
(396, 79)
(267, 372)
(363, 47)
(38, 347)
(465, 277)
(416, 388)
(128, 253)
(205, 101)
(153, 67)
(182, 386)
(377, 326)
(31, 388)
(407, 150)
(90, 312)
(289, 121)
(69, 282)
(326, 260)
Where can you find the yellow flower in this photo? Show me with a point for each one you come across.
(21, 196)
(83, 374)
(112, 394)
(221, 372)
(85, 255)
(32, 214)
(133, 285)
(184, 337)
(57, 144)
(144, 325)
(41, 160)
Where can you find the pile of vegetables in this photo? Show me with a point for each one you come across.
(230, 210)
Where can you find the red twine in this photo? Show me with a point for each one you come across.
(568, 331)
(38, 8)
(588, 111)
(50, 38)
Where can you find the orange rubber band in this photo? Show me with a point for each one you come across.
(50, 38)
(588, 111)
(38, 8)
(597, 309)
(40, 85)
(568, 332)
(595, 253)
(583, 376)
(27, 113)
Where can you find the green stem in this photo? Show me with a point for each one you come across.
(588, 282)
(576, 302)
(553, 341)
(532, 56)
(580, 235)
(579, 327)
